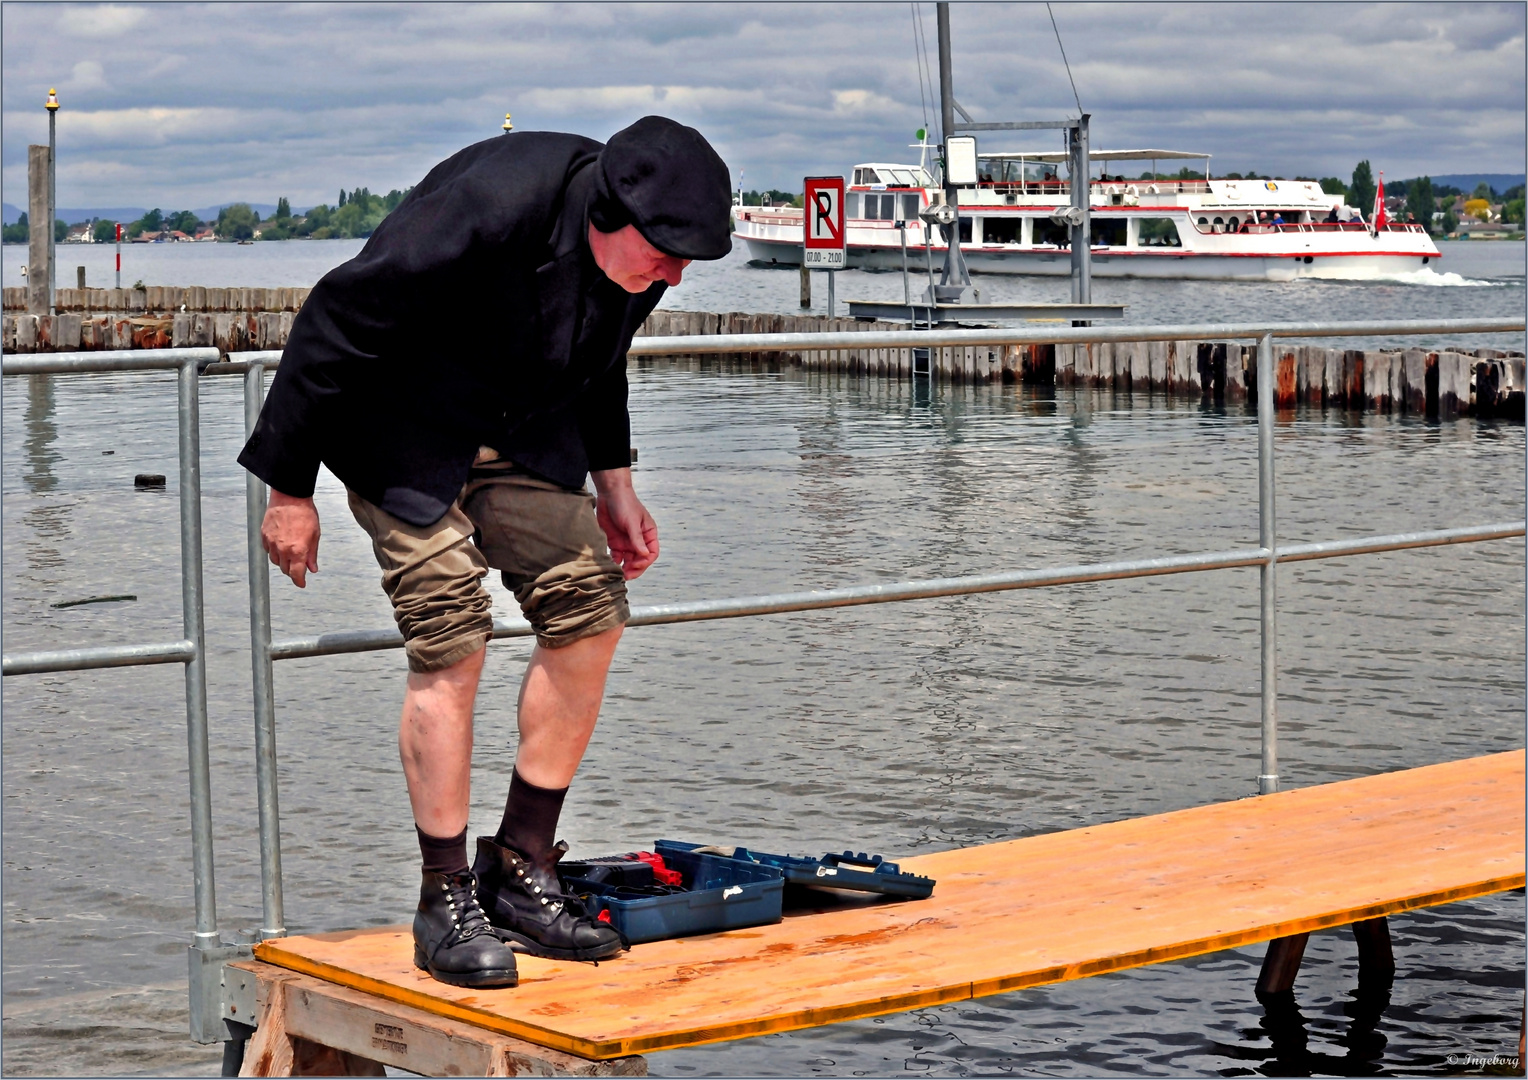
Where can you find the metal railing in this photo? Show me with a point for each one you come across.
(1267, 555)
(209, 952)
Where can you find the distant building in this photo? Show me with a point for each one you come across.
(205, 233)
(80, 234)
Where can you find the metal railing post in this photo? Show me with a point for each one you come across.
(206, 935)
(1268, 776)
(273, 916)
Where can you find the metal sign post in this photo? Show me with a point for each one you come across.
(824, 236)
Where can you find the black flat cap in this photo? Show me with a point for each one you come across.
(665, 179)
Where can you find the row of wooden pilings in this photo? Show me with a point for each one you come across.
(1431, 382)
(1446, 382)
(164, 300)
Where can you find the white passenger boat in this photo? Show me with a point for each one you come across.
(1249, 230)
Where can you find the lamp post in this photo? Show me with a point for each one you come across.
(52, 108)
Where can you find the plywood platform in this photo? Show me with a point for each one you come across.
(1004, 916)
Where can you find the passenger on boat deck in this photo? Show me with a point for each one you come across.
(458, 458)
(1278, 218)
(1332, 216)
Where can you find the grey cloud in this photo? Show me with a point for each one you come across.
(255, 101)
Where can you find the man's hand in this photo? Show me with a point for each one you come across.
(629, 528)
(289, 535)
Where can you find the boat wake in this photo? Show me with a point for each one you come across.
(1425, 275)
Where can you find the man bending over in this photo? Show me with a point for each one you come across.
(462, 376)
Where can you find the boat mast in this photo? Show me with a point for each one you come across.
(1077, 216)
(955, 272)
(1081, 218)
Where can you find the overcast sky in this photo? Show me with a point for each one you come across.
(180, 105)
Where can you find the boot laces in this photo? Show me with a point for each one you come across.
(557, 896)
(467, 917)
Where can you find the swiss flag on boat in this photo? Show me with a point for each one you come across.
(1378, 217)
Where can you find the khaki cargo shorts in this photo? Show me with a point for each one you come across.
(541, 537)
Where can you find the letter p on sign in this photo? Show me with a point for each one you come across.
(824, 225)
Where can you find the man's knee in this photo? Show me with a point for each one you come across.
(575, 601)
(459, 676)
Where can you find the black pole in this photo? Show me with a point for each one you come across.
(955, 273)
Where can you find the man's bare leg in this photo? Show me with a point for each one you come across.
(560, 700)
(435, 743)
(517, 869)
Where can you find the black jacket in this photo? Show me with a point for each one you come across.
(474, 316)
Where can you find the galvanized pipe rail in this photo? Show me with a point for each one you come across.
(264, 651)
(1042, 335)
(208, 952)
(354, 641)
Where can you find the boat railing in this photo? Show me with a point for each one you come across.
(210, 951)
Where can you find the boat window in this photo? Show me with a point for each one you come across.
(965, 230)
(852, 205)
(910, 206)
(1159, 232)
(903, 178)
(1001, 230)
(880, 207)
(868, 176)
(857, 179)
(1047, 232)
(1109, 231)
(1204, 221)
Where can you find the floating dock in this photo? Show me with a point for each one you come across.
(1003, 917)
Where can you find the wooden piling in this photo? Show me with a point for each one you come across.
(1286, 377)
(39, 233)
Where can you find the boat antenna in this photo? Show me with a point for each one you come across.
(918, 54)
(923, 37)
(1062, 47)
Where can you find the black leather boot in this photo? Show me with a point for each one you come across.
(526, 904)
(453, 940)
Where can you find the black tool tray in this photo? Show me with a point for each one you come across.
(855, 872)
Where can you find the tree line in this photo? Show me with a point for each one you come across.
(355, 216)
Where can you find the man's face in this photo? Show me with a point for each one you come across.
(631, 262)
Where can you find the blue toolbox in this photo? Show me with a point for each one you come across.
(713, 894)
(851, 871)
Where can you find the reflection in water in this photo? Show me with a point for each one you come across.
(42, 432)
(1286, 1029)
(49, 522)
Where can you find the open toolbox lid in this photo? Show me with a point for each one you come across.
(856, 872)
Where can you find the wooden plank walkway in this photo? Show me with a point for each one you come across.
(1004, 916)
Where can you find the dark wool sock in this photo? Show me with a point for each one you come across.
(530, 817)
(446, 855)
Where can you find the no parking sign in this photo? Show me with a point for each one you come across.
(824, 225)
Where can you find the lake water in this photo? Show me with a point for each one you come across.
(1477, 278)
(899, 728)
